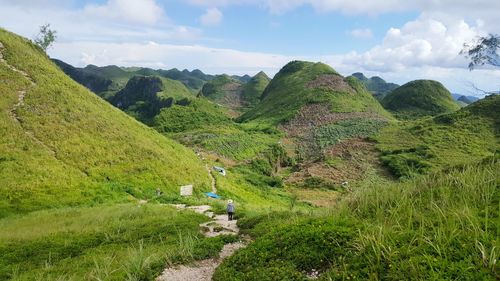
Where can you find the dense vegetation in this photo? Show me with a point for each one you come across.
(253, 90)
(376, 85)
(443, 226)
(300, 83)
(78, 177)
(66, 146)
(419, 98)
(428, 144)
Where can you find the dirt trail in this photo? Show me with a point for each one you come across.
(204, 270)
(21, 94)
(214, 187)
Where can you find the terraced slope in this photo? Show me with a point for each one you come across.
(63, 145)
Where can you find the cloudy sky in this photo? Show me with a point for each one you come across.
(398, 40)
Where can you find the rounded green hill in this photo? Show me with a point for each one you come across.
(420, 98)
(300, 83)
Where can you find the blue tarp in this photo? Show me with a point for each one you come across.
(213, 195)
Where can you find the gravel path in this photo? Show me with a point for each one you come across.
(203, 270)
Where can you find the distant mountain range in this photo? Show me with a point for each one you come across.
(376, 85)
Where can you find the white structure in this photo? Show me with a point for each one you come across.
(221, 170)
(187, 190)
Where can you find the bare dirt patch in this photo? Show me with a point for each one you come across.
(348, 161)
(312, 116)
(332, 82)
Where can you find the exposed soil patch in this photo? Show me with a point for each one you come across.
(331, 82)
(233, 98)
(312, 116)
(348, 161)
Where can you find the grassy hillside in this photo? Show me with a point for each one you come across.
(63, 145)
(224, 90)
(253, 90)
(420, 146)
(144, 96)
(300, 83)
(420, 98)
(376, 85)
(444, 226)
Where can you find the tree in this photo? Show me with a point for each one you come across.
(483, 51)
(45, 37)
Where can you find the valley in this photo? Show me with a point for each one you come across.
(333, 177)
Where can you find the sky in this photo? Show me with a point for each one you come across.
(398, 40)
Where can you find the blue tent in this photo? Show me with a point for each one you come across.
(212, 195)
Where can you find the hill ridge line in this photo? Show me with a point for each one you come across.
(20, 102)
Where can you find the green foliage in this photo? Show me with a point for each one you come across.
(347, 129)
(46, 37)
(288, 252)
(483, 51)
(421, 146)
(376, 85)
(194, 114)
(253, 90)
(440, 227)
(71, 147)
(420, 98)
(214, 89)
(107, 242)
(290, 90)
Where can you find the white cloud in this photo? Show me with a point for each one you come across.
(138, 11)
(487, 10)
(211, 17)
(423, 42)
(156, 55)
(361, 33)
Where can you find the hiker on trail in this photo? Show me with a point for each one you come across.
(230, 210)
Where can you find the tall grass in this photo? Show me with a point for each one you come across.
(443, 226)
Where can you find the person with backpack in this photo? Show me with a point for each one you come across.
(230, 210)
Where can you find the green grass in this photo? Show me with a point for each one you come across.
(288, 92)
(444, 226)
(85, 152)
(347, 129)
(421, 146)
(420, 98)
(213, 89)
(120, 242)
(253, 90)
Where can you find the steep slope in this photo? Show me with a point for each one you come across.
(301, 83)
(93, 82)
(224, 90)
(422, 146)
(63, 145)
(253, 90)
(376, 85)
(144, 96)
(420, 98)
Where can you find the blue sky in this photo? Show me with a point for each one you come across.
(395, 39)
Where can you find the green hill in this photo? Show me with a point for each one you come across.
(420, 98)
(144, 96)
(300, 83)
(253, 90)
(93, 82)
(376, 85)
(425, 145)
(224, 90)
(62, 145)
